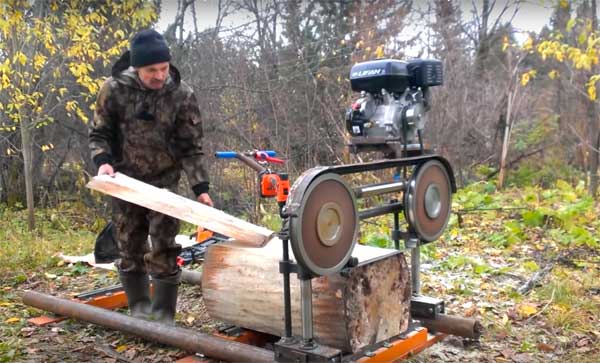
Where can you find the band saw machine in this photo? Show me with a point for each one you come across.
(321, 220)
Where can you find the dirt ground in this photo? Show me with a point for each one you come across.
(76, 341)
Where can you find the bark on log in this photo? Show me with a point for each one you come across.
(166, 202)
(243, 286)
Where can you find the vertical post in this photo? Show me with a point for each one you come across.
(287, 305)
(396, 232)
(26, 142)
(306, 312)
(415, 267)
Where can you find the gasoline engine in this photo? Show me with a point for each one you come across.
(391, 110)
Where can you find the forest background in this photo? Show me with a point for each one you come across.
(518, 117)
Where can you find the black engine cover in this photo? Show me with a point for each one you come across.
(375, 75)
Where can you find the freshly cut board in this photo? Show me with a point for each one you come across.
(161, 200)
(351, 310)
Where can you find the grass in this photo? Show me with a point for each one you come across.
(572, 307)
(70, 229)
(471, 265)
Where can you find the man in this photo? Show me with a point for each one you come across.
(147, 125)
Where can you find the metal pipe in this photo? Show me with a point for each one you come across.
(396, 231)
(415, 268)
(306, 309)
(250, 162)
(382, 188)
(185, 339)
(287, 300)
(191, 277)
(378, 211)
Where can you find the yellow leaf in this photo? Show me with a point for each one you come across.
(20, 57)
(505, 43)
(528, 44)
(564, 4)
(39, 60)
(121, 348)
(526, 310)
(553, 74)
(379, 53)
(592, 92)
(12, 320)
(526, 77)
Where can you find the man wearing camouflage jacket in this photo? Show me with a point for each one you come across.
(147, 125)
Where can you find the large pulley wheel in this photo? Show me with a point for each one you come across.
(428, 201)
(324, 222)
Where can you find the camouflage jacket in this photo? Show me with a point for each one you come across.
(150, 135)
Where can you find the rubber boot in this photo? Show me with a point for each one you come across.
(137, 289)
(164, 302)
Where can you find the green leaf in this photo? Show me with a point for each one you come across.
(481, 269)
(513, 227)
(533, 218)
(531, 266)
(563, 185)
(377, 240)
(570, 24)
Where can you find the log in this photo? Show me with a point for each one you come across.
(243, 286)
(455, 325)
(161, 200)
(185, 339)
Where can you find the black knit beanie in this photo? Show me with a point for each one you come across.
(148, 47)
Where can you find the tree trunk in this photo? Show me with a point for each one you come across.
(27, 161)
(505, 142)
(243, 286)
(594, 127)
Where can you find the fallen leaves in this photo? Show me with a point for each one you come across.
(526, 310)
(545, 347)
(50, 276)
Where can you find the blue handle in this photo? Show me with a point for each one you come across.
(233, 154)
(271, 153)
(225, 154)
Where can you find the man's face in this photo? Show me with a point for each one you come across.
(154, 76)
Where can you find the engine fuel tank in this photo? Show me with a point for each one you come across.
(372, 76)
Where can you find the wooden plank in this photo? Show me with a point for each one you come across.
(161, 200)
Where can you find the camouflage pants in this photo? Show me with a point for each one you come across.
(133, 226)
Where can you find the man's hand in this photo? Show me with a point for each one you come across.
(204, 198)
(107, 169)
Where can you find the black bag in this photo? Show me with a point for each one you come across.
(106, 250)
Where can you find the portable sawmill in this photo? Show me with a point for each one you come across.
(349, 302)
